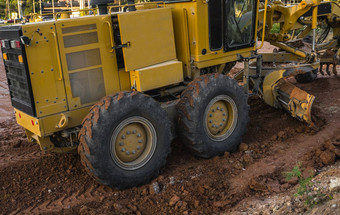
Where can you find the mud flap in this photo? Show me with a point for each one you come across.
(279, 93)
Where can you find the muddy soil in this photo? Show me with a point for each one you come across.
(33, 182)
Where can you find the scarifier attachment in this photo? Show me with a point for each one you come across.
(279, 93)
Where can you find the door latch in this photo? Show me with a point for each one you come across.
(125, 45)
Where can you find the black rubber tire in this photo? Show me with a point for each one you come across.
(98, 126)
(306, 77)
(191, 108)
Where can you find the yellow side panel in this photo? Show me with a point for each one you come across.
(88, 60)
(150, 35)
(157, 76)
(45, 72)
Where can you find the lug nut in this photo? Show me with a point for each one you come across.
(121, 143)
(127, 152)
(210, 121)
(218, 108)
(139, 135)
(222, 109)
(224, 120)
(128, 132)
(134, 131)
(138, 147)
(213, 110)
(224, 114)
(133, 152)
(210, 115)
(123, 137)
(213, 126)
(140, 141)
(123, 150)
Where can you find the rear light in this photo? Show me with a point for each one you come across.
(20, 59)
(3, 43)
(4, 55)
(15, 44)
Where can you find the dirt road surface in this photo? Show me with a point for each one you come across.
(33, 182)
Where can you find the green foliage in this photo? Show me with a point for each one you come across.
(304, 183)
(275, 28)
(305, 187)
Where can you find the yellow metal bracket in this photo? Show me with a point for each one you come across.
(63, 122)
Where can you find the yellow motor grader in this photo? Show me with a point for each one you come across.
(121, 83)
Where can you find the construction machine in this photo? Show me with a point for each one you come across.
(119, 84)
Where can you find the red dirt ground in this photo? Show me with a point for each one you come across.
(33, 182)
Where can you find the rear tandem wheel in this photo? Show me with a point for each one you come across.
(125, 140)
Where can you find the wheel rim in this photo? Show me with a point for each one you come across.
(133, 143)
(220, 118)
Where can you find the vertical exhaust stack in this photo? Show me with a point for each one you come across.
(102, 5)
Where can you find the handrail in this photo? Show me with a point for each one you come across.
(264, 24)
(111, 36)
(58, 57)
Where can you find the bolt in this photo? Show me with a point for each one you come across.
(216, 126)
(210, 115)
(213, 126)
(121, 144)
(42, 71)
(221, 124)
(222, 109)
(133, 152)
(46, 100)
(123, 137)
(123, 150)
(140, 141)
(210, 121)
(134, 131)
(32, 73)
(213, 110)
(36, 122)
(224, 114)
(128, 132)
(127, 152)
(224, 120)
(139, 135)
(218, 108)
(138, 147)
(52, 70)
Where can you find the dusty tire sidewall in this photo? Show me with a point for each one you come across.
(104, 166)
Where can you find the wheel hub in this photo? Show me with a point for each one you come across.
(133, 143)
(217, 117)
(220, 117)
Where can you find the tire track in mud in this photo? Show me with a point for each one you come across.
(64, 202)
(7, 160)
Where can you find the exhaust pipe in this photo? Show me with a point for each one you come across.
(102, 5)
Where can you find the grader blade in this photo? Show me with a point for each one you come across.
(296, 101)
(279, 93)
